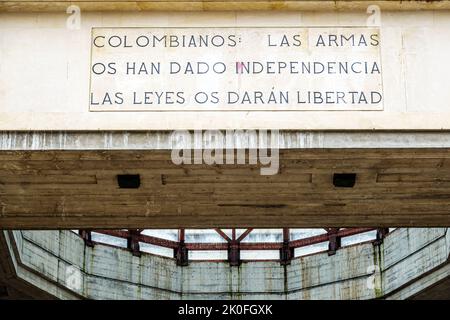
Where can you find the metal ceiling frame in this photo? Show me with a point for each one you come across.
(233, 245)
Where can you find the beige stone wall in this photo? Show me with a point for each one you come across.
(59, 263)
(219, 5)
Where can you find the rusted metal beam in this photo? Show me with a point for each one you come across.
(324, 237)
(223, 234)
(334, 241)
(158, 241)
(381, 234)
(206, 246)
(242, 246)
(142, 238)
(114, 233)
(181, 253)
(234, 253)
(245, 234)
(60, 6)
(286, 253)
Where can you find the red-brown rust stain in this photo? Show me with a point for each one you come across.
(278, 5)
(305, 274)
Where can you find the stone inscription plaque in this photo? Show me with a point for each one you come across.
(236, 69)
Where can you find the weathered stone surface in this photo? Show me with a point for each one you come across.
(409, 261)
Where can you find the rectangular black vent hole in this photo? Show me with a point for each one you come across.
(344, 180)
(129, 181)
